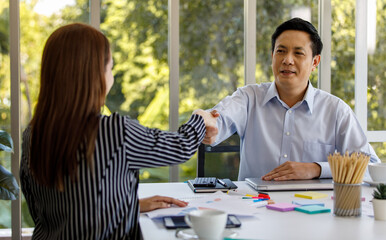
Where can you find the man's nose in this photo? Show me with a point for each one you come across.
(288, 59)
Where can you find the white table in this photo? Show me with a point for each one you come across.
(269, 224)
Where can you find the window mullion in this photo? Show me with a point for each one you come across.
(324, 79)
(361, 62)
(14, 42)
(174, 71)
(249, 41)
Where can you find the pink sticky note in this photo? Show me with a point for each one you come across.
(282, 207)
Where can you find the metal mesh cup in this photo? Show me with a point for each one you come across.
(347, 199)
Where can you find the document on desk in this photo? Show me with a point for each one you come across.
(218, 200)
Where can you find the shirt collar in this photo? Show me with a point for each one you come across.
(308, 96)
(271, 93)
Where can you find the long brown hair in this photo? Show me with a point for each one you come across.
(72, 92)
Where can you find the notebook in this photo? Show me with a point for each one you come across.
(292, 185)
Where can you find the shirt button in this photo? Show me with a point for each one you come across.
(287, 133)
(285, 155)
(289, 111)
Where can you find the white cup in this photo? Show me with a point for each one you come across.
(207, 223)
(378, 172)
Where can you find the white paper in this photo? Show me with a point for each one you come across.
(231, 204)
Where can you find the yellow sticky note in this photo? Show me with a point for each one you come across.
(311, 195)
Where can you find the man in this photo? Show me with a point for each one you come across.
(288, 128)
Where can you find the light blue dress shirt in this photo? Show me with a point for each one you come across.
(272, 133)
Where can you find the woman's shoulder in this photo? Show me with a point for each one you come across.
(116, 124)
(116, 118)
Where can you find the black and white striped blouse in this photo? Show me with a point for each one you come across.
(103, 204)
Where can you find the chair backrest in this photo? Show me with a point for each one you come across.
(219, 161)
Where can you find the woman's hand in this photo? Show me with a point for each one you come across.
(156, 202)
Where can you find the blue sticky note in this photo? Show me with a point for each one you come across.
(313, 209)
(307, 202)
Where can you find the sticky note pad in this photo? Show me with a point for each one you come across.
(307, 202)
(311, 195)
(313, 209)
(282, 207)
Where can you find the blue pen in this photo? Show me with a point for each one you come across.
(259, 200)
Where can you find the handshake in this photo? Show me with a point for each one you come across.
(210, 124)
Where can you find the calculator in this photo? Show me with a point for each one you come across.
(205, 182)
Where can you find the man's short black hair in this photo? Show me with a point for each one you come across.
(300, 25)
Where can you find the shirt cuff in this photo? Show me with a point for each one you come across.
(198, 123)
(325, 171)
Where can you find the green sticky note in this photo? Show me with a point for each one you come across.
(313, 209)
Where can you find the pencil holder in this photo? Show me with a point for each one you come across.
(347, 200)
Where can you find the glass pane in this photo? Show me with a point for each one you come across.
(271, 14)
(5, 103)
(376, 66)
(138, 34)
(343, 50)
(230, 160)
(211, 57)
(38, 19)
(380, 149)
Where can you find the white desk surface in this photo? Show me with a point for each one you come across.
(269, 224)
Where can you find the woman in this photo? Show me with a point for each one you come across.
(79, 169)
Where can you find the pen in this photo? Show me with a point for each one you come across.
(249, 195)
(222, 182)
(260, 204)
(255, 198)
(264, 196)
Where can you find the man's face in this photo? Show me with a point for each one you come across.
(292, 61)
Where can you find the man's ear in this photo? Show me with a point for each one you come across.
(315, 62)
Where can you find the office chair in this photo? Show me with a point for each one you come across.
(220, 161)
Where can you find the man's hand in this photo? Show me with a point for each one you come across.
(156, 202)
(210, 124)
(293, 170)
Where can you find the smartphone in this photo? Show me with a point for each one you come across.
(173, 222)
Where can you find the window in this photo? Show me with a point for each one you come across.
(376, 91)
(211, 58)
(343, 51)
(38, 19)
(5, 103)
(343, 64)
(269, 15)
(138, 34)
